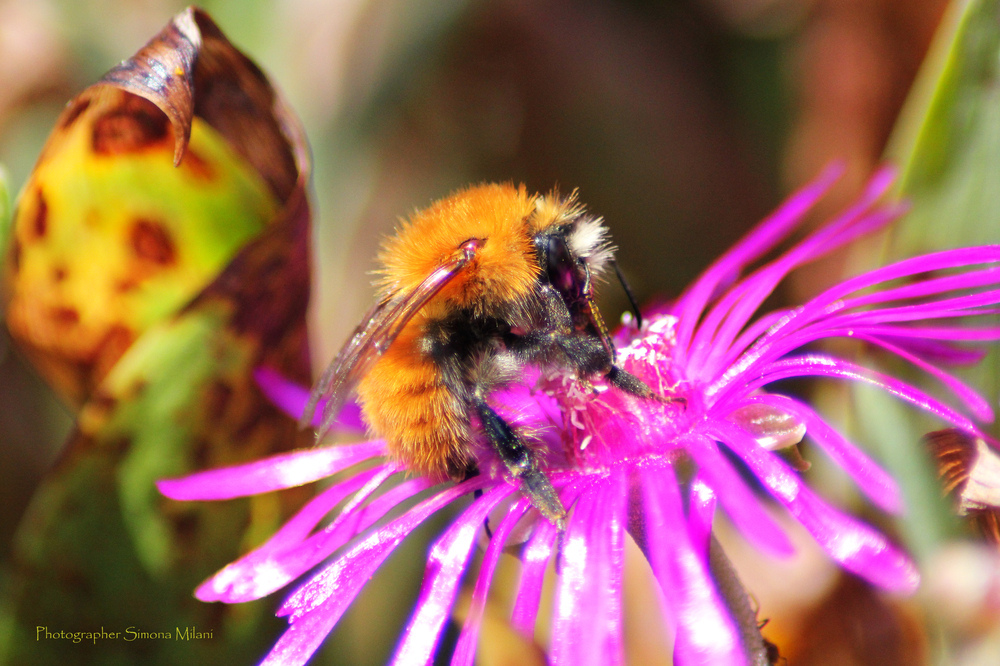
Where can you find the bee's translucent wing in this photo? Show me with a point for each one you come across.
(375, 334)
(336, 381)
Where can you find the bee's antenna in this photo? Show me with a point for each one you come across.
(628, 293)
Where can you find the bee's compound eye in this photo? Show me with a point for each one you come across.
(560, 265)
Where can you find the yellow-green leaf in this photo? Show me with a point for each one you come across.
(110, 240)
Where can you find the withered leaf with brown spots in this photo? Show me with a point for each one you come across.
(142, 195)
(160, 254)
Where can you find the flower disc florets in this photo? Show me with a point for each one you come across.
(601, 426)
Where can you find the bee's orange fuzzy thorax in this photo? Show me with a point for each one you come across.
(505, 268)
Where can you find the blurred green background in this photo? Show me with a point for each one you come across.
(682, 122)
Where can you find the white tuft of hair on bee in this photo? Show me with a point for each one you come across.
(588, 239)
(494, 370)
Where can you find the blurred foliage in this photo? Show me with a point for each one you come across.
(947, 142)
(947, 145)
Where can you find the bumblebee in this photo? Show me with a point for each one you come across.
(472, 290)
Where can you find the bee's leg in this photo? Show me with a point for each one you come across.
(521, 464)
(592, 358)
(626, 381)
(592, 352)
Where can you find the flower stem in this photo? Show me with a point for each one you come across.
(733, 594)
(738, 601)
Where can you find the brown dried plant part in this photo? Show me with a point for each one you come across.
(970, 473)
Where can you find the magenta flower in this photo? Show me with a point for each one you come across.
(626, 467)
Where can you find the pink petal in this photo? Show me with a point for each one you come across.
(815, 365)
(877, 484)
(858, 330)
(916, 334)
(921, 288)
(291, 398)
(535, 557)
(922, 264)
(282, 471)
(301, 640)
(534, 560)
(855, 546)
(829, 308)
(587, 627)
(706, 634)
(267, 569)
(701, 513)
(336, 586)
(927, 345)
(768, 233)
(468, 640)
(979, 304)
(727, 317)
(742, 507)
(446, 564)
(976, 404)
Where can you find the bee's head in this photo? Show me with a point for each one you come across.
(566, 236)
